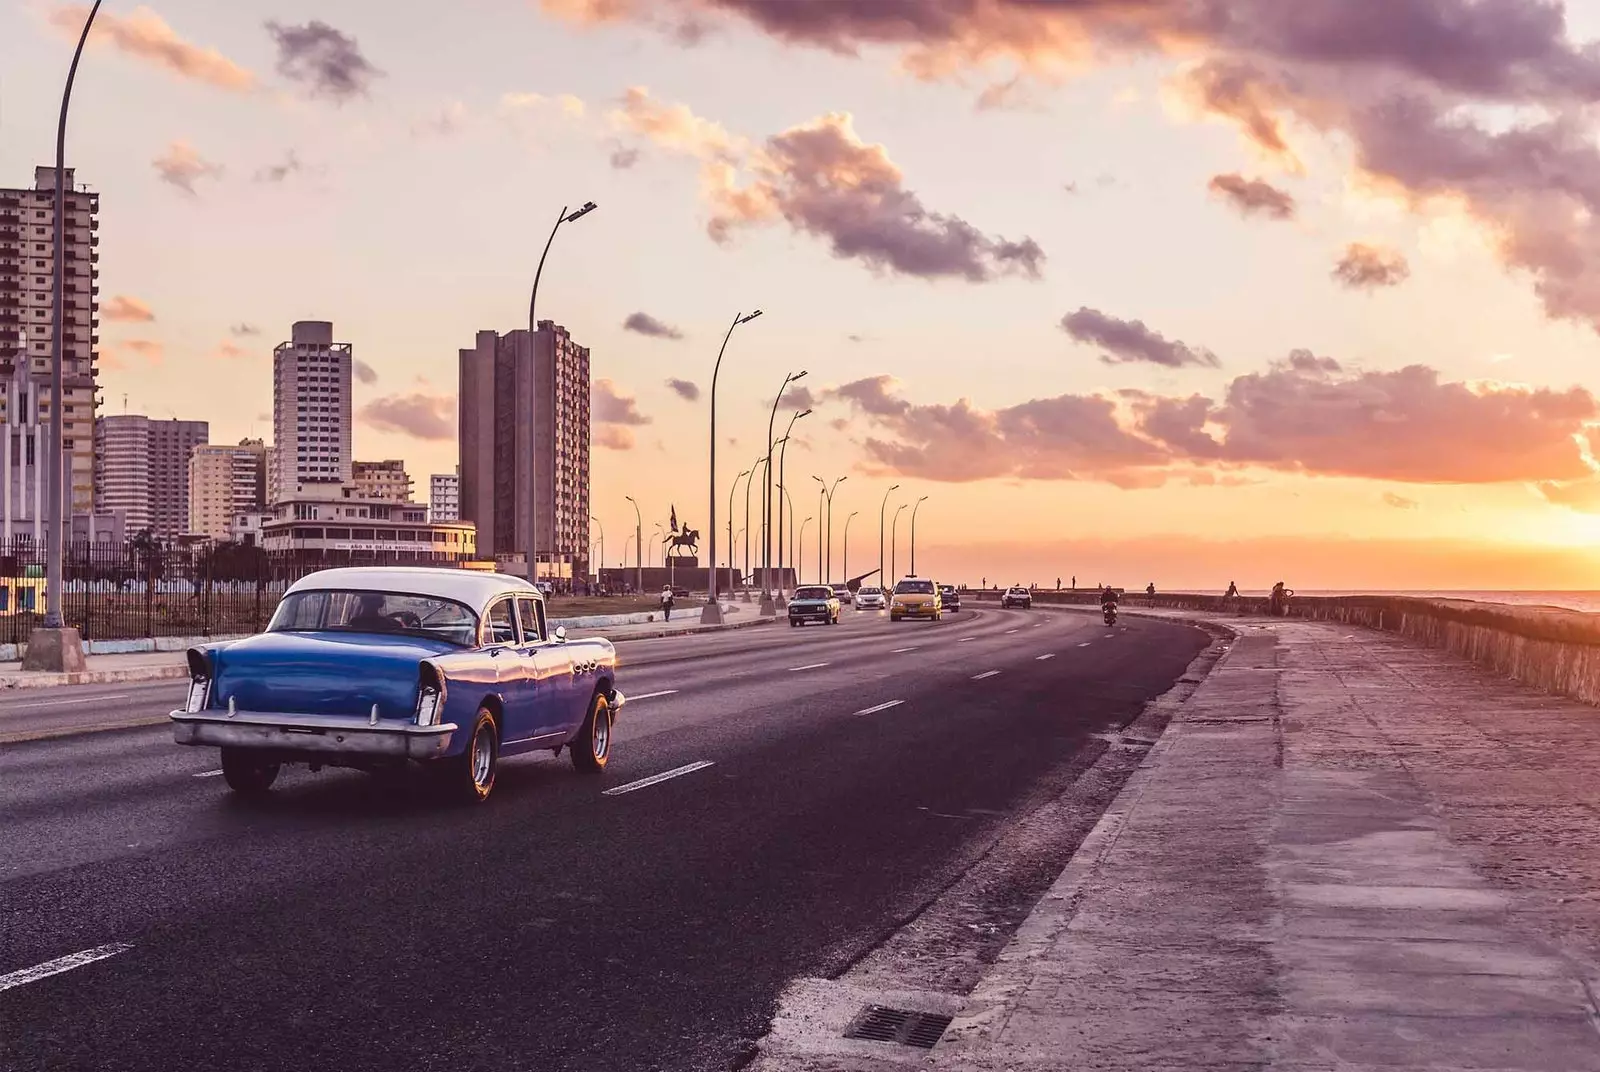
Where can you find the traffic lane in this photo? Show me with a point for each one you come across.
(73, 801)
(697, 898)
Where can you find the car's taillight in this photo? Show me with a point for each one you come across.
(430, 695)
(199, 680)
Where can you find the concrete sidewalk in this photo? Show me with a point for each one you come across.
(1347, 851)
(168, 665)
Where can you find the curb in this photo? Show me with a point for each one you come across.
(989, 1006)
(691, 631)
(93, 677)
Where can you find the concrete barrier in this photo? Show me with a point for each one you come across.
(1549, 648)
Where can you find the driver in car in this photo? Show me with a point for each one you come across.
(369, 616)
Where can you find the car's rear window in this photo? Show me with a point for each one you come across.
(1019, 591)
(869, 592)
(813, 592)
(324, 610)
(914, 588)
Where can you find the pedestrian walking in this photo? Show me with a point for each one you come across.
(666, 602)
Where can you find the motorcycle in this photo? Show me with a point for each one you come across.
(1110, 610)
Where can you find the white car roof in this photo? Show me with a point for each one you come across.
(475, 588)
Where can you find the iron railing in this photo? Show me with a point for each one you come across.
(140, 589)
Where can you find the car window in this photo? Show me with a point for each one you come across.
(502, 629)
(531, 620)
(915, 588)
(326, 610)
(813, 592)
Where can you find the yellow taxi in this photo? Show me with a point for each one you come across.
(915, 598)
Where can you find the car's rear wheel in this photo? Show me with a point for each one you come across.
(470, 776)
(592, 747)
(246, 773)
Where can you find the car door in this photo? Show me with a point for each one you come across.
(549, 666)
(503, 643)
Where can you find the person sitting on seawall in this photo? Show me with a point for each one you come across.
(1232, 592)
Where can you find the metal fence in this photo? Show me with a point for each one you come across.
(145, 589)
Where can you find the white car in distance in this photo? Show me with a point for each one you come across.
(871, 599)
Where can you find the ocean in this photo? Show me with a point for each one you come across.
(1587, 602)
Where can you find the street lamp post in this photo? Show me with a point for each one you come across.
(846, 577)
(783, 454)
(769, 609)
(758, 462)
(61, 649)
(827, 573)
(533, 401)
(732, 491)
(914, 510)
(638, 541)
(793, 514)
(894, 537)
(799, 557)
(661, 531)
(822, 504)
(596, 520)
(712, 614)
(883, 578)
(624, 563)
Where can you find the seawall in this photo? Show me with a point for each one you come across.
(1547, 647)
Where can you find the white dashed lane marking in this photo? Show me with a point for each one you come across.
(808, 666)
(657, 779)
(62, 964)
(652, 695)
(987, 673)
(1042, 658)
(208, 774)
(880, 707)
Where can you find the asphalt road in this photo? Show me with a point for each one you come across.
(848, 773)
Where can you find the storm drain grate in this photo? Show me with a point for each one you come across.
(878, 1024)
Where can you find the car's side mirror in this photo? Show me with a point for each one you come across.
(561, 634)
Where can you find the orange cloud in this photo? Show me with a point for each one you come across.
(143, 35)
(129, 309)
(613, 437)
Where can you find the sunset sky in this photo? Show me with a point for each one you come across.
(1134, 290)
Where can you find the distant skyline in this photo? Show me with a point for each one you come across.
(1130, 290)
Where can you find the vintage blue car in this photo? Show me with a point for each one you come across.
(376, 668)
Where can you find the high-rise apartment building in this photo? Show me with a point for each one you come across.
(386, 481)
(224, 483)
(141, 470)
(498, 443)
(310, 411)
(444, 496)
(27, 303)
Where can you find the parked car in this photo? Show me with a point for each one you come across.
(1016, 596)
(377, 668)
(950, 597)
(842, 593)
(915, 598)
(871, 599)
(813, 603)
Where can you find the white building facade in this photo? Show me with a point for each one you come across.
(444, 496)
(311, 412)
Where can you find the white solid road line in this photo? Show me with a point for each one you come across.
(656, 779)
(1042, 658)
(208, 774)
(62, 964)
(651, 695)
(901, 651)
(808, 666)
(79, 700)
(989, 673)
(881, 707)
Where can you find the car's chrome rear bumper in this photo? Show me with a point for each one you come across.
(312, 735)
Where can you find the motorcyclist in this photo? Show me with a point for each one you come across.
(1108, 597)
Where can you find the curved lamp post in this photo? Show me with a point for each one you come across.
(799, 559)
(894, 539)
(760, 461)
(533, 401)
(914, 510)
(828, 494)
(783, 454)
(846, 566)
(638, 541)
(712, 614)
(883, 578)
(66, 653)
(596, 520)
(732, 491)
(768, 607)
